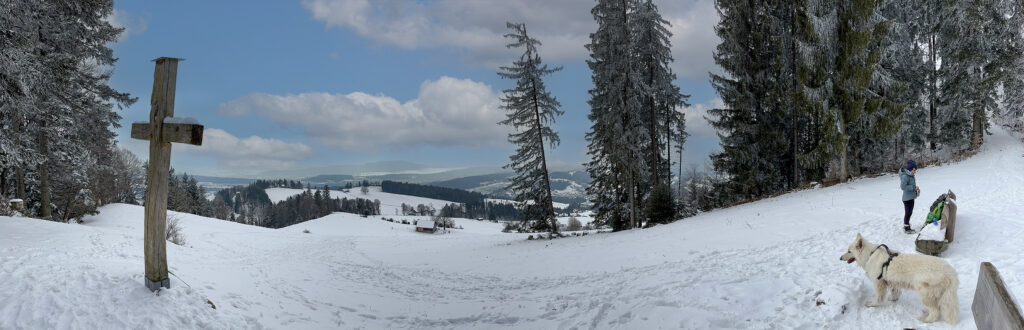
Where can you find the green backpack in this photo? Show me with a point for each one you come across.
(934, 215)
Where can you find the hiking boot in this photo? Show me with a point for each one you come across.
(908, 230)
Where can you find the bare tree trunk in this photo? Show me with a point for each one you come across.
(794, 121)
(932, 111)
(549, 206)
(19, 170)
(843, 171)
(680, 184)
(632, 200)
(19, 177)
(631, 184)
(44, 177)
(3, 184)
(652, 130)
(978, 134)
(668, 149)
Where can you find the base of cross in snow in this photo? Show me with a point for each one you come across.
(156, 285)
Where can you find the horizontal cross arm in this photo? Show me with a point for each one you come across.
(173, 132)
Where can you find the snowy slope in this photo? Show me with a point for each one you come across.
(388, 201)
(771, 264)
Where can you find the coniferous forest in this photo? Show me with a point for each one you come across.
(57, 109)
(814, 91)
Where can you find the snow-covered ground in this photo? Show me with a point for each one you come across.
(389, 202)
(771, 264)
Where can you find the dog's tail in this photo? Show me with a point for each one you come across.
(949, 304)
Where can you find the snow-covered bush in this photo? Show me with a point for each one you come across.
(174, 234)
(444, 222)
(573, 224)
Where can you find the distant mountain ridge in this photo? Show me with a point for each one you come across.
(567, 186)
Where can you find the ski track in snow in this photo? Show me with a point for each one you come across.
(771, 264)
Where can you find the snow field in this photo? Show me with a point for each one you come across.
(770, 264)
(388, 202)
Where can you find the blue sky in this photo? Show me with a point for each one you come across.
(285, 85)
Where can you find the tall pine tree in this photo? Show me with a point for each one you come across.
(615, 140)
(531, 112)
(661, 100)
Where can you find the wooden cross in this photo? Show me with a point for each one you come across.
(160, 133)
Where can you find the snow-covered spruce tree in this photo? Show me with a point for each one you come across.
(531, 112)
(20, 71)
(661, 206)
(790, 22)
(661, 99)
(970, 70)
(871, 137)
(1011, 113)
(64, 105)
(752, 140)
(617, 136)
(660, 96)
(857, 37)
(906, 59)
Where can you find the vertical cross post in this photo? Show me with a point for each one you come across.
(160, 136)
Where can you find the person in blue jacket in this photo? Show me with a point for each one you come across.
(910, 192)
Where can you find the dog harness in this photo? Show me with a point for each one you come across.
(886, 264)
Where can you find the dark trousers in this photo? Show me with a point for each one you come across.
(908, 210)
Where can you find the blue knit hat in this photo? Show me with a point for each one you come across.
(911, 165)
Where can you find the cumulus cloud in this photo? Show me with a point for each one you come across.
(478, 26)
(696, 122)
(253, 152)
(132, 24)
(447, 112)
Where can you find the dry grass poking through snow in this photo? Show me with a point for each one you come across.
(174, 234)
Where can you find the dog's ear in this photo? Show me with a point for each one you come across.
(860, 241)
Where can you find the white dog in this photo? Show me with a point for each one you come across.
(933, 278)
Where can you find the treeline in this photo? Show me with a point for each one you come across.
(470, 204)
(482, 210)
(435, 192)
(828, 90)
(312, 204)
(251, 205)
(279, 183)
(57, 147)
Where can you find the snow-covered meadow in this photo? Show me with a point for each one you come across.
(390, 204)
(770, 264)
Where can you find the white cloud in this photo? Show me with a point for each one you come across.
(253, 152)
(447, 112)
(478, 26)
(696, 123)
(693, 38)
(132, 24)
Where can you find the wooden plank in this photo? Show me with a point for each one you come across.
(162, 103)
(175, 133)
(993, 307)
(949, 217)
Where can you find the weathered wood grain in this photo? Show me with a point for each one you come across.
(160, 137)
(993, 307)
(175, 133)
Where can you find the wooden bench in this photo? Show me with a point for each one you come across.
(948, 224)
(993, 307)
